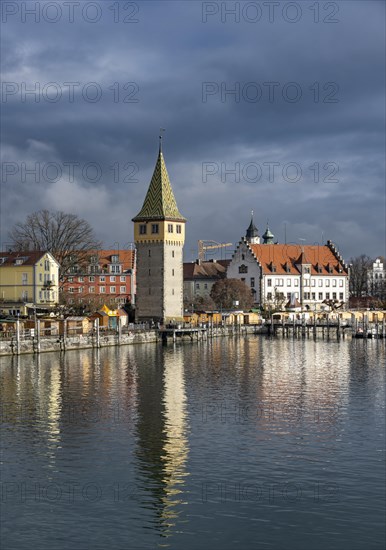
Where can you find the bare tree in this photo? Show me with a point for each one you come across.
(227, 291)
(70, 239)
(358, 275)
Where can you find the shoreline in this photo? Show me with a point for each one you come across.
(9, 348)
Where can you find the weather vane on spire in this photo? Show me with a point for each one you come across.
(161, 130)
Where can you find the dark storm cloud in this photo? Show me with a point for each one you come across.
(171, 56)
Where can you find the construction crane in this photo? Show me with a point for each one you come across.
(203, 246)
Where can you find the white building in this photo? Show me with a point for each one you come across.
(278, 272)
(376, 279)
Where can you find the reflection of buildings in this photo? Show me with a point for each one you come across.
(162, 438)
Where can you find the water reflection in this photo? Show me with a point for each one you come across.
(162, 436)
(149, 425)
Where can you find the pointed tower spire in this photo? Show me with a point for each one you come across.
(252, 234)
(159, 203)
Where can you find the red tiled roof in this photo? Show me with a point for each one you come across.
(126, 257)
(282, 255)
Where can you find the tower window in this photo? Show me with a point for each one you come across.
(149, 272)
(142, 229)
(172, 253)
(170, 228)
(173, 272)
(178, 229)
(149, 253)
(154, 228)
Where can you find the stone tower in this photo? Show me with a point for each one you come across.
(159, 234)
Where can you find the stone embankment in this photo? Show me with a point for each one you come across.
(24, 345)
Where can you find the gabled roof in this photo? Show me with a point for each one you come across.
(159, 203)
(282, 255)
(8, 259)
(303, 260)
(205, 270)
(126, 258)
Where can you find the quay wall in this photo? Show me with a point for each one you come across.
(89, 341)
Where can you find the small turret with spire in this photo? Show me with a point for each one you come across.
(268, 237)
(252, 234)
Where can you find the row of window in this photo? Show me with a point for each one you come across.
(306, 282)
(116, 300)
(91, 279)
(46, 278)
(101, 289)
(155, 228)
(43, 294)
(97, 269)
(312, 295)
(47, 295)
(114, 259)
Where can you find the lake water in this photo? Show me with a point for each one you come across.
(248, 443)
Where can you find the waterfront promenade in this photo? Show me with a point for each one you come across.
(26, 342)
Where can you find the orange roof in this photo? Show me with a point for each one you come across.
(285, 258)
(126, 257)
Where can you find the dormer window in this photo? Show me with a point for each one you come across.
(287, 267)
(273, 267)
(114, 259)
(329, 268)
(93, 259)
(318, 268)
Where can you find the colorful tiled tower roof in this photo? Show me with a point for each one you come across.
(159, 203)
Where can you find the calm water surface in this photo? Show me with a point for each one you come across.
(240, 443)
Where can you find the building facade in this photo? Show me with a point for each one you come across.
(376, 279)
(199, 277)
(28, 278)
(106, 276)
(159, 234)
(278, 273)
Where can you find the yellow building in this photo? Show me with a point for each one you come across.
(28, 278)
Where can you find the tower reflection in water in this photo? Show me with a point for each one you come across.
(162, 437)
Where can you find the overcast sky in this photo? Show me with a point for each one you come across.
(279, 109)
